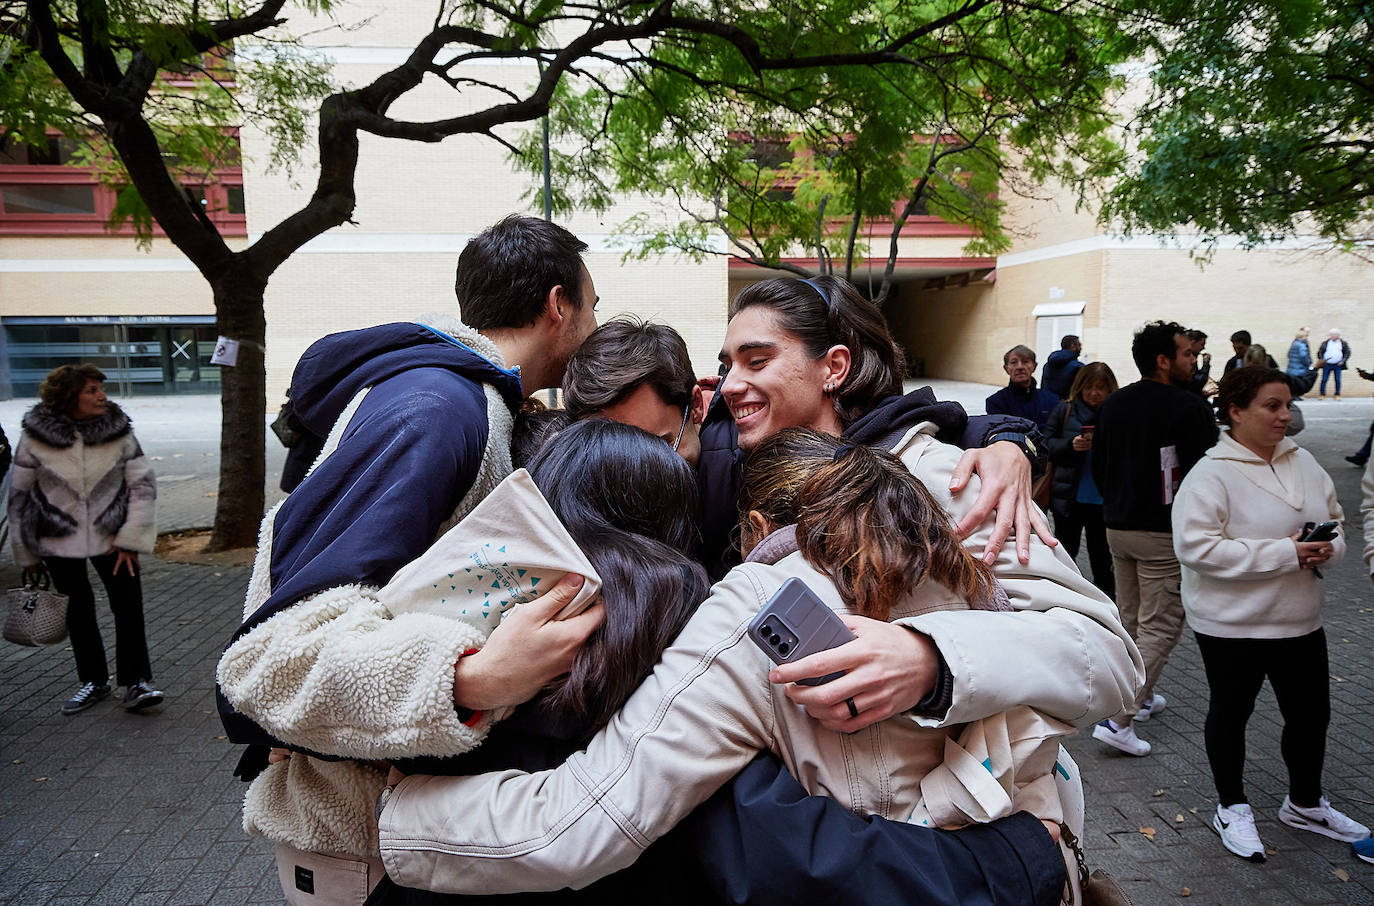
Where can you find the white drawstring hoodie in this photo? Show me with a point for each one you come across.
(1232, 520)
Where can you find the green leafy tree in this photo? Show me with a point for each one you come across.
(657, 77)
(831, 161)
(1257, 123)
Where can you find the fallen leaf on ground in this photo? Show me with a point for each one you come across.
(1187, 892)
(1193, 810)
(1178, 819)
(1342, 874)
(1158, 793)
(1148, 832)
(39, 779)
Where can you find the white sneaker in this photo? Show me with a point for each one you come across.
(1237, 828)
(1152, 707)
(1122, 738)
(1323, 820)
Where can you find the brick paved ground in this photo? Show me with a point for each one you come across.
(107, 808)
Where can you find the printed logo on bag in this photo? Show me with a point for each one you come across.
(305, 880)
(492, 576)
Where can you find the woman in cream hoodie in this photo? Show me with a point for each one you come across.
(1253, 595)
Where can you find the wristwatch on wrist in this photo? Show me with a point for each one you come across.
(1027, 445)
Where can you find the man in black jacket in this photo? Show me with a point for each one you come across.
(1148, 436)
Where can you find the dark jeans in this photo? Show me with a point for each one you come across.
(1327, 371)
(126, 601)
(1087, 517)
(1363, 452)
(1297, 669)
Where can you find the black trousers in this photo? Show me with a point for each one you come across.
(69, 576)
(1087, 517)
(1297, 669)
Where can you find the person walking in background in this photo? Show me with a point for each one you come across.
(1300, 362)
(1333, 354)
(82, 489)
(1361, 456)
(1061, 366)
(1021, 397)
(1074, 497)
(1240, 345)
(1148, 436)
(1253, 592)
(1202, 366)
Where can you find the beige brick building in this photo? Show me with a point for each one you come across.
(147, 317)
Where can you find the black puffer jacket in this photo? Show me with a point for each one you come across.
(1066, 422)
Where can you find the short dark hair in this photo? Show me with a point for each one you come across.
(506, 271)
(1067, 341)
(1241, 385)
(828, 311)
(621, 355)
(1153, 340)
(64, 384)
(1194, 335)
(1241, 336)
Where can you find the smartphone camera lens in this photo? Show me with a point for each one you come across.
(774, 639)
(767, 630)
(783, 648)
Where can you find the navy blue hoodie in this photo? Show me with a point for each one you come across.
(408, 455)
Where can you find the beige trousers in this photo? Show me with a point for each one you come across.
(320, 879)
(1147, 580)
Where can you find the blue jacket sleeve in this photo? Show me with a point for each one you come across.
(763, 841)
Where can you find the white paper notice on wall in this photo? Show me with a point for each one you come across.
(226, 352)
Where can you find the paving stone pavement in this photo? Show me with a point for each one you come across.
(107, 808)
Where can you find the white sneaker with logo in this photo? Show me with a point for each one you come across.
(1152, 707)
(1122, 738)
(1236, 824)
(1323, 820)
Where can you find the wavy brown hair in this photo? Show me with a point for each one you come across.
(862, 519)
(64, 384)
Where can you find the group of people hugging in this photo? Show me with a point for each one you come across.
(615, 731)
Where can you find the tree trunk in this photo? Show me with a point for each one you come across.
(243, 408)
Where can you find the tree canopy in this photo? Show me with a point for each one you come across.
(1257, 123)
(970, 99)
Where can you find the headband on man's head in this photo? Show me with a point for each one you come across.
(825, 297)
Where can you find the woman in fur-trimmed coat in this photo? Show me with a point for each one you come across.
(82, 489)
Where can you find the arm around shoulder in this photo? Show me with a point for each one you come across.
(1062, 650)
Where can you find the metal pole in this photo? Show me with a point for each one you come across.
(548, 204)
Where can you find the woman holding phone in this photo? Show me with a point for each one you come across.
(1253, 593)
(1074, 498)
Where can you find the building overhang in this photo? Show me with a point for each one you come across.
(927, 273)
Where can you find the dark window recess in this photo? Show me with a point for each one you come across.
(234, 199)
(59, 150)
(769, 154)
(37, 199)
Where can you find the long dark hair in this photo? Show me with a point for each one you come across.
(630, 503)
(862, 519)
(828, 311)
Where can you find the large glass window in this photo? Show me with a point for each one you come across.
(137, 358)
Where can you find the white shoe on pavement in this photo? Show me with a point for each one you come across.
(1122, 738)
(1236, 824)
(1324, 820)
(1152, 707)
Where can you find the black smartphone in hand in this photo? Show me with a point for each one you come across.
(1323, 531)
